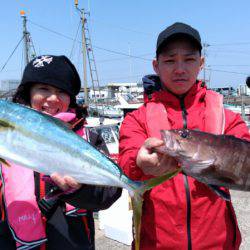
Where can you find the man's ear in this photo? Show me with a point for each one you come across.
(155, 66)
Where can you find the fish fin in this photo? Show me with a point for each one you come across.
(202, 164)
(149, 184)
(195, 166)
(5, 162)
(137, 201)
(224, 195)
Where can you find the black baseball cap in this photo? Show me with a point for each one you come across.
(57, 71)
(176, 30)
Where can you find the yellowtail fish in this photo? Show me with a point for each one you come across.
(44, 144)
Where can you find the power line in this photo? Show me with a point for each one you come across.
(96, 47)
(52, 31)
(121, 78)
(231, 44)
(229, 51)
(73, 46)
(121, 53)
(122, 58)
(12, 53)
(136, 76)
(139, 57)
(123, 28)
(230, 65)
(12, 70)
(225, 71)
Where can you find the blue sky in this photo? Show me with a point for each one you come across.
(124, 35)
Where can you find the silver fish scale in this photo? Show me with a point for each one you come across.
(46, 145)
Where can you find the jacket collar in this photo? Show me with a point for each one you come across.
(195, 95)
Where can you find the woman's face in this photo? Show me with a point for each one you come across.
(48, 99)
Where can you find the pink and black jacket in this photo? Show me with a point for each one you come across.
(28, 221)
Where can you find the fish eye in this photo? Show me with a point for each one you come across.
(184, 134)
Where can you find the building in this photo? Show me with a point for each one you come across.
(98, 94)
(9, 85)
(243, 90)
(226, 91)
(8, 88)
(132, 88)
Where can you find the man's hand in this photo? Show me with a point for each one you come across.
(66, 182)
(152, 162)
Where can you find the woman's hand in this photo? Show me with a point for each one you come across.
(152, 162)
(66, 182)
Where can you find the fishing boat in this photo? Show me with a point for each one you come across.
(108, 111)
(243, 110)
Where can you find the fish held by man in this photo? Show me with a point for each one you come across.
(221, 160)
(45, 144)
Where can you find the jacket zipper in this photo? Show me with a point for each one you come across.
(187, 189)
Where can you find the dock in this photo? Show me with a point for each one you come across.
(237, 100)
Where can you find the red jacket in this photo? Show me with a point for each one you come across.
(181, 213)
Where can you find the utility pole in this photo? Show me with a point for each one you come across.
(82, 14)
(205, 46)
(26, 35)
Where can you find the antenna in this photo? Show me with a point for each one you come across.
(27, 39)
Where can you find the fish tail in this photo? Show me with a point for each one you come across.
(4, 162)
(137, 201)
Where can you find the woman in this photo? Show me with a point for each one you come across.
(50, 85)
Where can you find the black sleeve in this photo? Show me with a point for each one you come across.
(97, 140)
(93, 197)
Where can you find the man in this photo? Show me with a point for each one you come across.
(181, 213)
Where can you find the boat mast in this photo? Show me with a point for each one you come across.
(82, 14)
(26, 37)
(29, 49)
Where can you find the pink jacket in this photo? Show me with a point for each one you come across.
(23, 214)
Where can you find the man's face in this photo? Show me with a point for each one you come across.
(178, 66)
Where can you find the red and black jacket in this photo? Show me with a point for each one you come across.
(181, 213)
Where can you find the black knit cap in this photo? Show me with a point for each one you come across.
(175, 30)
(57, 71)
